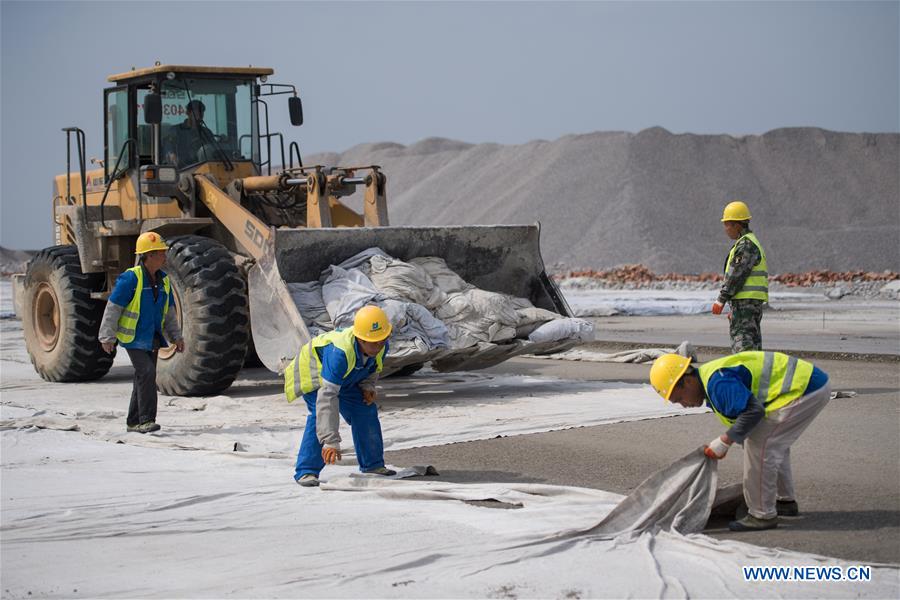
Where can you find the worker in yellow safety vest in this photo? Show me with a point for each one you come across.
(746, 284)
(335, 373)
(766, 399)
(139, 315)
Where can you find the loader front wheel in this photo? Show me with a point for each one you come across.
(61, 320)
(211, 304)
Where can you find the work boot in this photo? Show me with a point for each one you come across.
(382, 471)
(787, 508)
(309, 480)
(751, 523)
(148, 427)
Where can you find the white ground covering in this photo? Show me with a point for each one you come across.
(90, 511)
(253, 417)
(605, 302)
(85, 518)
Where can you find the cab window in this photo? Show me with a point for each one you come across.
(117, 118)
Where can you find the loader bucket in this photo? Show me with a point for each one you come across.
(504, 258)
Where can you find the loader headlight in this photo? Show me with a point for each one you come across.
(159, 181)
(167, 174)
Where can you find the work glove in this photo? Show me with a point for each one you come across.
(717, 308)
(717, 449)
(331, 455)
(369, 396)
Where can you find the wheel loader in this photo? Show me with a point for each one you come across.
(188, 153)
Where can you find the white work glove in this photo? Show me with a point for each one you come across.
(718, 448)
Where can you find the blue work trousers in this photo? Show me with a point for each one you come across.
(364, 426)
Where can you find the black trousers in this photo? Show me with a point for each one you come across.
(143, 395)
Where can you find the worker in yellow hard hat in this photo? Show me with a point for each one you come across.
(140, 317)
(746, 285)
(335, 373)
(766, 399)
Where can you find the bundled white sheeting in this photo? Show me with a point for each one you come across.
(638, 355)
(415, 330)
(405, 281)
(430, 306)
(478, 316)
(360, 260)
(308, 298)
(562, 329)
(345, 291)
(443, 276)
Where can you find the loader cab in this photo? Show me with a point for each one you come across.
(205, 115)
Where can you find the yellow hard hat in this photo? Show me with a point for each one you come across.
(371, 324)
(148, 242)
(666, 371)
(736, 211)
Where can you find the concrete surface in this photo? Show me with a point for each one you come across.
(846, 465)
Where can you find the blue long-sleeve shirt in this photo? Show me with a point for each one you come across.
(334, 365)
(335, 386)
(728, 393)
(150, 321)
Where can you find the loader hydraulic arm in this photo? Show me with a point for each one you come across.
(248, 230)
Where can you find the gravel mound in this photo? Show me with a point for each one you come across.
(820, 199)
(14, 261)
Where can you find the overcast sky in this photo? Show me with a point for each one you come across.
(504, 72)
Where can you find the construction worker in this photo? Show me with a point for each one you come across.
(336, 372)
(767, 399)
(746, 284)
(139, 316)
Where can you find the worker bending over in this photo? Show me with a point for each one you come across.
(767, 399)
(336, 373)
(746, 284)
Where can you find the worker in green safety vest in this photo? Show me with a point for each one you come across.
(335, 373)
(746, 285)
(766, 399)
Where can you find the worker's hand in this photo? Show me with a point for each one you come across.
(108, 347)
(179, 345)
(717, 448)
(331, 454)
(717, 308)
(369, 396)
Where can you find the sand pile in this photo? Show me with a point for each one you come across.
(13, 261)
(820, 199)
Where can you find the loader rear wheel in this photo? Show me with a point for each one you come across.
(211, 303)
(61, 320)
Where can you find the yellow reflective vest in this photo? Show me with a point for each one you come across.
(302, 374)
(127, 325)
(777, 379)
(756, 287)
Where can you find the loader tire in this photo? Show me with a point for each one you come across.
(211, 304)
(60, 319)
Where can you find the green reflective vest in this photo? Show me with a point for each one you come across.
(756, 287)
(302, 374)
(127, 326)
(777, 379)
